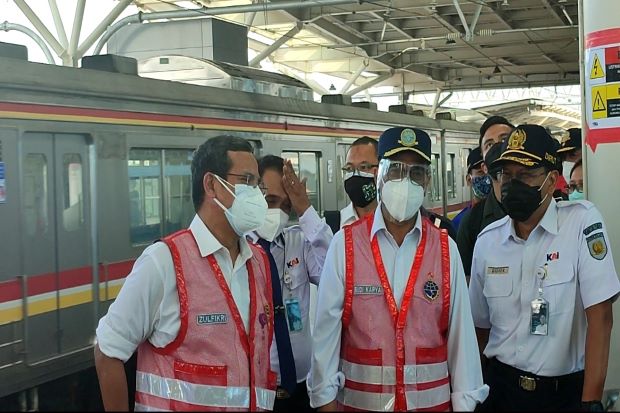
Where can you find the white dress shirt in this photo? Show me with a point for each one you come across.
(325, 380)
(300, 252)
(348, 215)
(147, 307)
(504, 281)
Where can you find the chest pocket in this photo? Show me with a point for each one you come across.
(497, 291)
(559, 288)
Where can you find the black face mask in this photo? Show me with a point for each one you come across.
(362, 190)
(520, 200)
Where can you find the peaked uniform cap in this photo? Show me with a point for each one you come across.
(401, 139)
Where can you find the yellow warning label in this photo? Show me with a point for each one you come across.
(597, 69)
(612, 91)
(599, 99)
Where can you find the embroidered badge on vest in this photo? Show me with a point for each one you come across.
(219, 318)
(431, 289)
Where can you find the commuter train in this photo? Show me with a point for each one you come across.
(95, 165)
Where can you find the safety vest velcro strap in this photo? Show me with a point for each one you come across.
(201, 394)
(386, 375)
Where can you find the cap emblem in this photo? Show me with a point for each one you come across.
(408, 138)
(516, 140)
(565, 139)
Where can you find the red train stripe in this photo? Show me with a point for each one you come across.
(156, 117)
(74, 277)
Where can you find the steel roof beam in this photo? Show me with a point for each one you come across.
(102, 27)
(60, 27)
(40, 27)
(371, 83)
(353, 78)
(554, 11)
(276, 45)
(75, 32)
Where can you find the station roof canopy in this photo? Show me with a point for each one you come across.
(422, 45)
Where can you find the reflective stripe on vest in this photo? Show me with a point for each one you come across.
(201, 394)
(437, 397)
(386, 375)
(139, 407)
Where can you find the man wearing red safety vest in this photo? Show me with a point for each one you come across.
(197, 306)
(393, 328)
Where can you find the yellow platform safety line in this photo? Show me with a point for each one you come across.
(46, 305)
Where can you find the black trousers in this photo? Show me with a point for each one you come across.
(298, 402)
(512, 389)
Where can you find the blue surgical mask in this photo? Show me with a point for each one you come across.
(576, 196)
(481, 185)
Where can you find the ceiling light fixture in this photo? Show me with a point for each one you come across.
(332, 87)
(496, 70)
(450, 41)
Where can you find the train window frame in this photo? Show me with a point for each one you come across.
(73, 192)
(162, 174)
(451, 176)
(434, 193)
(316, 194)
(41, 215)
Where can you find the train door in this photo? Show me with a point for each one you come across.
(56, 243)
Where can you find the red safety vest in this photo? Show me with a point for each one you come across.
(395, 359)
(212, 364)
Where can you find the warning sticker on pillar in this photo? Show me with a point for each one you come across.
(602, 83)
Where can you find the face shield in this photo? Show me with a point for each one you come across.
(396, 171)
(401, 188)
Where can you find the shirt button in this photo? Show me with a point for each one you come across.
(520, 348)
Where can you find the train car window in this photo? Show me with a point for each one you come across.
(73, 190)
(435, 192)
(179, 208)
(307, 165)
(145, 195)
(35, 194)
(450, 177)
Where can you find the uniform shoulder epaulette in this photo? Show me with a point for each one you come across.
(582, 203)
(493, 225)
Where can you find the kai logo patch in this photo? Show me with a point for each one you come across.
(552, 256)
(219, 318)
(292, 263)
(367, 290)
(597, 246)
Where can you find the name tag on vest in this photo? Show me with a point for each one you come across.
(497, 270)
(367, 290)
(211, 319)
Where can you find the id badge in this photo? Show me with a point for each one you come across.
(293, 313)
(539, 319)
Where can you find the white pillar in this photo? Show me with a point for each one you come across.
(600, 31)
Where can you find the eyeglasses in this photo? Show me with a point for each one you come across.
(363, 167)
(250, 180)
(574, 187)
(526, 177)
(397, 171)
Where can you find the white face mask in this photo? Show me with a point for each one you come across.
(248, 209)
(275, 221)
(402, 198)
(567, 166)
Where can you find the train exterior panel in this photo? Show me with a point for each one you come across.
(97, 166)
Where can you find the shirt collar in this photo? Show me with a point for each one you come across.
(348, 214)
(549, 223)
(208, 244)
(379, 223)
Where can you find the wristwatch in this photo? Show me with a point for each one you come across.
(592, 406)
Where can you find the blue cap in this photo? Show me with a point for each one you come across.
(396, 140)
(474, 159)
